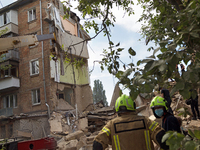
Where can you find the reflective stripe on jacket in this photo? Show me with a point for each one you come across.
(130, 131)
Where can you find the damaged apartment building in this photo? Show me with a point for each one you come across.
(49, 76)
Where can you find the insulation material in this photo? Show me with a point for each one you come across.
(55, 70)
(77, 49)
(78, 46)
(57, 20)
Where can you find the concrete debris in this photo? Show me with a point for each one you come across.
(24, 134)
(74, 135)
(78, 133)
(55, 122)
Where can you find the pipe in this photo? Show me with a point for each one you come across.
(45, 95)
(48, 110)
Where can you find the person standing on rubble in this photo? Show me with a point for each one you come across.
(165, 94)
(193, 102)
(128, 130)
(159, 107)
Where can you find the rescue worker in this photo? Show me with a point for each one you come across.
(159, 108)
(129, 131)
(194, 106)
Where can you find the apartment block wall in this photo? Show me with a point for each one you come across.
(81, 95)
(28, 82)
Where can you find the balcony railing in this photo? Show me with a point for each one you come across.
(9, 83)
(11, 55)
(11, 28)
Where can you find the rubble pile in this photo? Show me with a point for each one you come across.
(76, 131)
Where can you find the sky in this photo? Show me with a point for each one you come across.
(126, 31)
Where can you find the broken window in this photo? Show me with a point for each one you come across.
(35, 96)
(67, 94)
(10, 101)
(13, 71)
(61, 95)
(4, 18)
(31, 14)
(6, 72)
(34, 67)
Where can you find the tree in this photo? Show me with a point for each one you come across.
(172, 24)
(99, 93)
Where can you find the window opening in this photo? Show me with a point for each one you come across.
(4, 18)
(10, 101)
(36, 96)
(31, 15)
(34, 67)
(61, 95)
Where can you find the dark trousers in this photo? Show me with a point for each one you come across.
(194, 106)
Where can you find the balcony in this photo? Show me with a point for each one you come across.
(7, 112)
(9, 83)
(11, 28)
(10, 55)
(9, 20)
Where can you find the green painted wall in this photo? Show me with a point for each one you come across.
(81, 75)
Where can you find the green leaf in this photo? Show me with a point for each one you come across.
(120, 49)
(165, 137)
(145, 61)
(118, 44)
(194, 77)
(186, 75)
(180, 85)
(197, 134)
(163, 67)
(189, 145)
(156, 50)
(111, 43)
(185, 93)
(131, 51)
(191, 133)
(194, 34)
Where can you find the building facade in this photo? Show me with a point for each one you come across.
(45, 77)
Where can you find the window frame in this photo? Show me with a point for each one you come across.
(10, 72)
(31, 67)
(7, 104)
(32, 14)
(4, 21)
(36, 98)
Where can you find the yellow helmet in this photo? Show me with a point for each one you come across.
(158, 102)
(124, 103)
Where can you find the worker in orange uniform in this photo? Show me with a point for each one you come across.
(129, 131)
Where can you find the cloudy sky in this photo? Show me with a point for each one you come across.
(126, 31)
